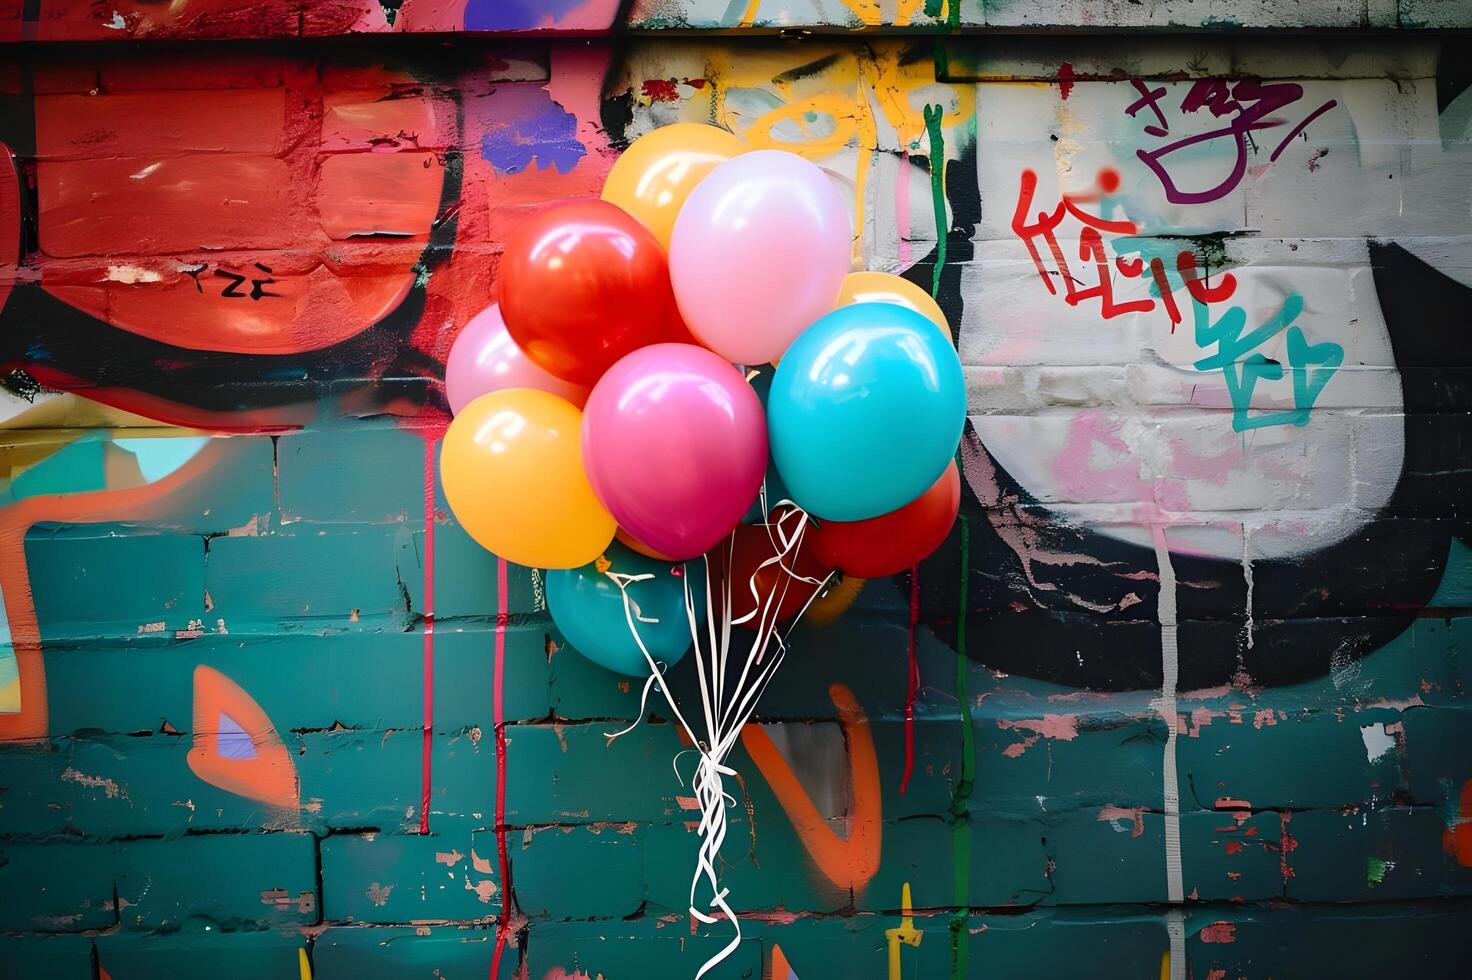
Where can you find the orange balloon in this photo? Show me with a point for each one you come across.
(659, 170)
(883, 287)
(512, 466)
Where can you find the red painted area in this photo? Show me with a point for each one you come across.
(10, 232)
(323, 192)
(1458, 837)
(1219, 932)
(912, 680)
(498, 715)
(1066, 78)
(660, 89)
(1287, 843)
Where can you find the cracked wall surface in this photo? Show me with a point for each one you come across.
(1181, 694)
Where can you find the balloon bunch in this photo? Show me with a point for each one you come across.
(623, 388)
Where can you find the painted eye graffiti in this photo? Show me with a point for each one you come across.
(333, 232)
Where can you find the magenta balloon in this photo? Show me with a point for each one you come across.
(675, 445)
(484, 358)
(759, 251)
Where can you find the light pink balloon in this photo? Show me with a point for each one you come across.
(759, 251)
(484, 358)
(675, 445)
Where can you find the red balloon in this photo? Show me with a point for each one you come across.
(583, 284)
(747, 548)
(893, 542)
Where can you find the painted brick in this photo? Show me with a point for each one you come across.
(56, 888)
(544, 856)
(272, 582)
(239, 955)
(387, 878)
(551, 768)
(391, 953)
(27, 955)
(358, 779)
(232, 881)
(104, 580)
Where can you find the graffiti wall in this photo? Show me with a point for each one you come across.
(1181, 696)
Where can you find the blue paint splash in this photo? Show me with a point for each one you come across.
(514, 15)
(525, 127)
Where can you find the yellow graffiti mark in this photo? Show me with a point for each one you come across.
(304, 966)
(869, 12)
(836, 101)
(906, 934)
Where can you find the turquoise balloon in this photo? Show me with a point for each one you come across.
(865, 411)
(588, 607)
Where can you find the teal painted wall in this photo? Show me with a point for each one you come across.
(1216, 731)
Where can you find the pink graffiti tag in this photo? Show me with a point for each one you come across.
(1249, 103)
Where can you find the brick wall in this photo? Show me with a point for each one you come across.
(1190, 698)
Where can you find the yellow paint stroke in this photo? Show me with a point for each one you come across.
(848, 862)
(906, 934)
(838, 105)
(1165, 965)
(749, 17)
(303, 964)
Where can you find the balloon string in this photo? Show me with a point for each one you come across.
(643, 706)
(724, 719)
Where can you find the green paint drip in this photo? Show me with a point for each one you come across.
(933, 114)
(960, 809)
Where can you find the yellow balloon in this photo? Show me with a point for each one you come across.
(882, 287)
(659, 170)
(512, 466)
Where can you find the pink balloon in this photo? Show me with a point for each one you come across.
(484, 358)
(759, 251)
(675, 445)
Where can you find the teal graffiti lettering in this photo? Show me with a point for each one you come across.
(1312, 364)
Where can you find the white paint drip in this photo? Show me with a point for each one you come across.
(1378, 741)
(1248, 627)
(1175, 927)
(1166, 705)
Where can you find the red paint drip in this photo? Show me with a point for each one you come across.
(424, 789)
(1066, 78)
(503, 927)
(660, 90)
(914, 681)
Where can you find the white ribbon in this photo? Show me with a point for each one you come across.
(725, 711)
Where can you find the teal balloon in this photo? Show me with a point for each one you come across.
(588, 607)
(866, 410)
(776, 489)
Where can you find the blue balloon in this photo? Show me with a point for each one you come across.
(865, 411)
(588, 607)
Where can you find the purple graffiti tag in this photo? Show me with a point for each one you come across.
(1249, 104)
